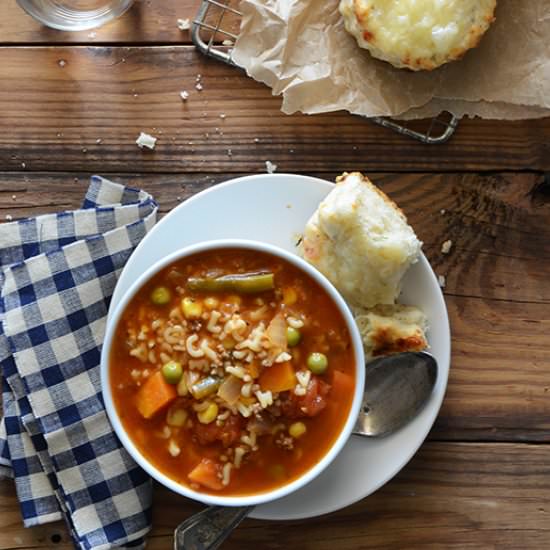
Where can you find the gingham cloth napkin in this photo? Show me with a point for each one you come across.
(57, 275)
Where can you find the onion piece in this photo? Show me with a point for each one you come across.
(230, 390)
(276, 334)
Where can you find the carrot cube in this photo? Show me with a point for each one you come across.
(154, 395)
(342, 385)
(205, 473)
(277, 378)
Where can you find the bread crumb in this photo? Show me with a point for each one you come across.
(441, 280)
(198, 87)
(9, 217)
(146, 140)
(98, 141)
(222, 115)
(184, 24)
(442, 211)
(270, 167)
(446, 247)
(184, 94)
(227, 42)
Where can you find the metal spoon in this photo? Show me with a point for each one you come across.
(396, 389)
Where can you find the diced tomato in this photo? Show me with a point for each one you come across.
(310, 404)
(227, 434)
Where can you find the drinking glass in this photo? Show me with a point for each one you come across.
(74, 15)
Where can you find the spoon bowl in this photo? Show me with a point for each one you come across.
(396, 388)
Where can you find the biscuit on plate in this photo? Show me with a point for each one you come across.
(417, 34)
(361, 241)
(387, 329)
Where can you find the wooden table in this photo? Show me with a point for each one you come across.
(73, 105)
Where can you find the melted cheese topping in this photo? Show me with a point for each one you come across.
(389, 329)
(418, 34)
(361, 242)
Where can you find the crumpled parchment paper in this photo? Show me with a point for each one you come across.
(300, 49)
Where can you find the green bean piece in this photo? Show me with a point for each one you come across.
(246, 283)
(317, 363)
(293, 336)
(205, 387)
(161, 296)
(172, 372)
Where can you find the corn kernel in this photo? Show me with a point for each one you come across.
(234, 299)
(228, 343)
(211, 302)
(176, 417)
(191, 308)
(182, 388)
(209, 414)
(289, 296)
(297, 429)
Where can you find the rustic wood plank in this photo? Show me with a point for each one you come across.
(499, 384)
(451, 495)
(92, 102)
(498, 223)
(497, 289)
(147, 21)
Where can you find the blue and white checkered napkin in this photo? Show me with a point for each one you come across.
(57, 275)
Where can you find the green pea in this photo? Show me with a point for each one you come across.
(317, 363)
(160, 296)
(172, 372)
(293, 336)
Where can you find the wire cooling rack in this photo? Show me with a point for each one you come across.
(216, 28)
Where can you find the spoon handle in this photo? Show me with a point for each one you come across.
(207, 529)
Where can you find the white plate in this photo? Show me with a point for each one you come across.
(274, 208)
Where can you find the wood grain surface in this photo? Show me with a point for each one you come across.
(73, 104)
(451, 495)
(93, 102)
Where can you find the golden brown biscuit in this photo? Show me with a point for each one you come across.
(417, 34)
(387, 329)
(361, 241)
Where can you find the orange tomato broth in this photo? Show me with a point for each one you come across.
(270, 466)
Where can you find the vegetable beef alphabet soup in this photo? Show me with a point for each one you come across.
(232, 371)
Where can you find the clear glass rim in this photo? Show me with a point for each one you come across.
(87, 20)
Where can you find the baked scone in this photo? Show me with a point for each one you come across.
(361, 241)
(417, 34)
(387, 329)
